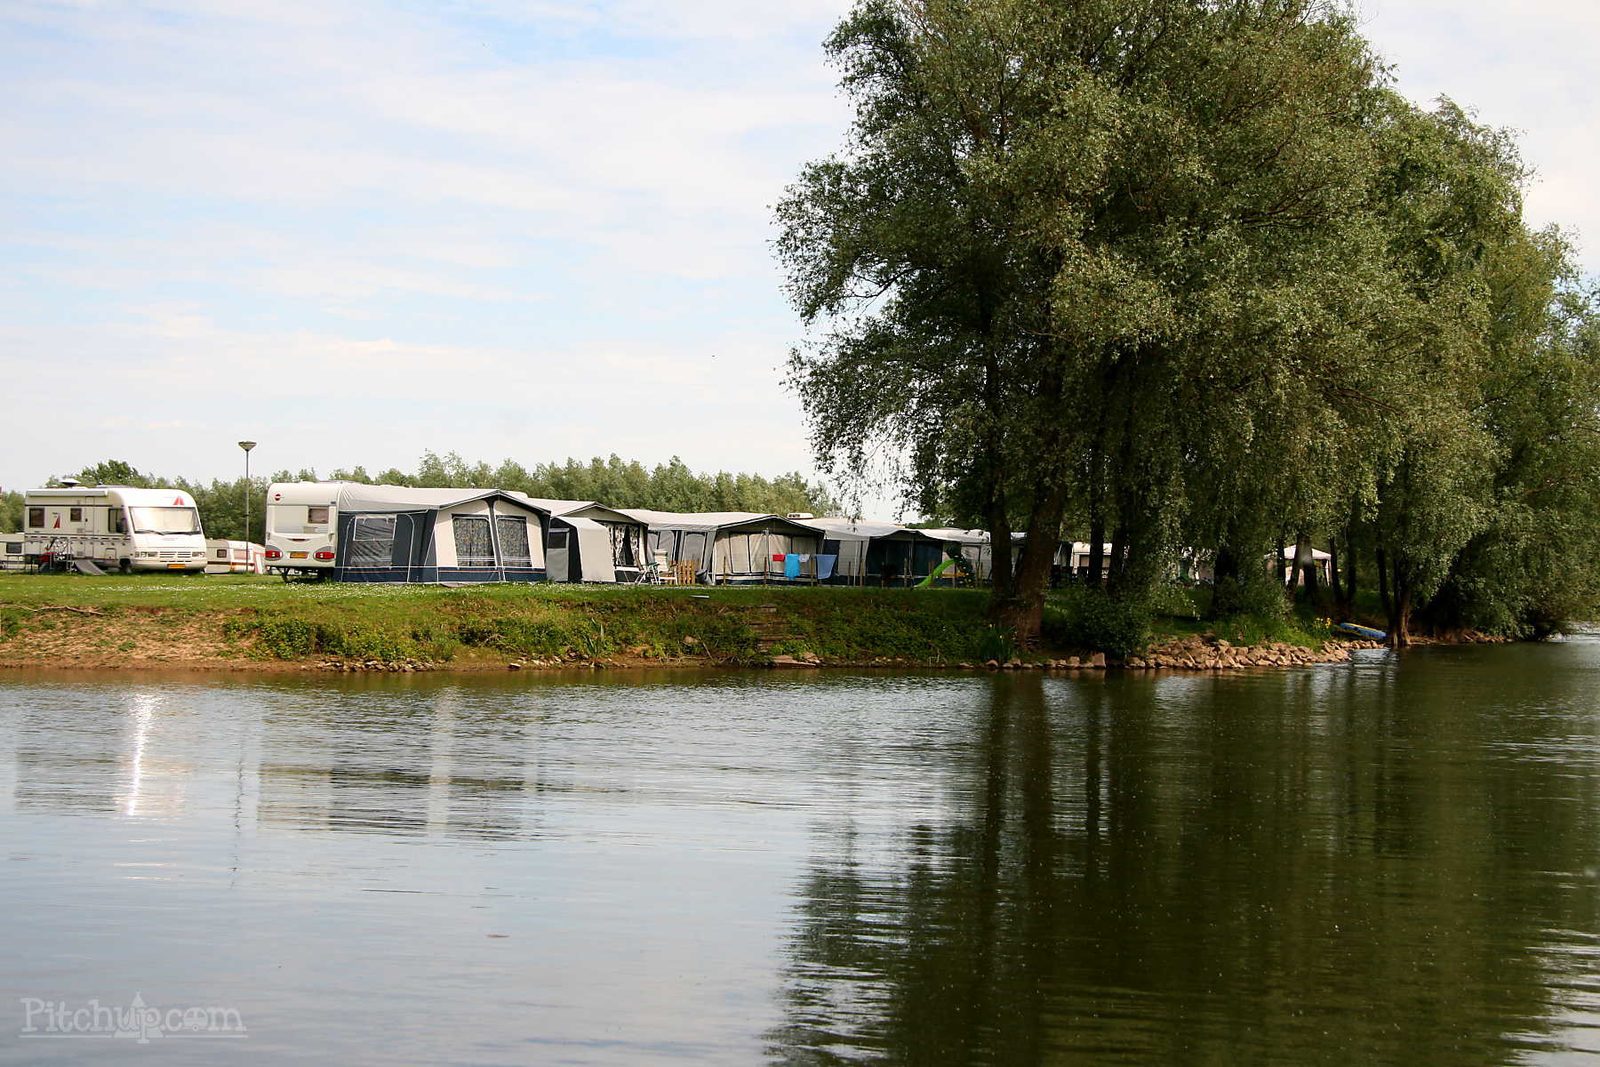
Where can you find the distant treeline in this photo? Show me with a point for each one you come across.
(614, 481)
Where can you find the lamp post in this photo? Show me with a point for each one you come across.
(247, 446)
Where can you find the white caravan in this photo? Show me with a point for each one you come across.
(115, 526)
(302, 526)
(11, 555)
(234, 557)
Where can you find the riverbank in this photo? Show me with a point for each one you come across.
(249, 623)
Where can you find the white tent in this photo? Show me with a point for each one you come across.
(589, 542)
(1322, 561)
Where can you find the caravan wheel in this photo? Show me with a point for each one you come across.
(125, 566)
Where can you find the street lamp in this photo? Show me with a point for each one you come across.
(247, 446)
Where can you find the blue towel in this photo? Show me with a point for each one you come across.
(791, 566)
(825, 567)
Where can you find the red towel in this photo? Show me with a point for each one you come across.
(777, 557)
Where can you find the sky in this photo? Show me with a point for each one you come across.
(355, 231)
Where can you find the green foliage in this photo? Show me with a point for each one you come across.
(10, 512)
(1082, 616)
(1078, 284)
(1055, 275)
(114, 472)
(996, 643)
(279, 638)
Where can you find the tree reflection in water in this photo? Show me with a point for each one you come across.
(1324, 866)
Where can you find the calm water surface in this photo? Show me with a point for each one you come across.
(1392, 861)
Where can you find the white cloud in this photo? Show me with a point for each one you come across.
(502, 228)
(1527, 67)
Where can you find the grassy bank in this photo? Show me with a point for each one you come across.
(244, 620)
(247, 622)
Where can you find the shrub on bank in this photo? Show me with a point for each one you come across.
(1083, 616)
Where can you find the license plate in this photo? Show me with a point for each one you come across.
(177, 566)
(298, 555)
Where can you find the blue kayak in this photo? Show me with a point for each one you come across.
(1357, 630)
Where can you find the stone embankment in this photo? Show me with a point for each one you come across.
(1213, 654)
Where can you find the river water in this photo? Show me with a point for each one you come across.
(1390, 861)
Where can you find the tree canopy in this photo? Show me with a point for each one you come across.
(1186, 276)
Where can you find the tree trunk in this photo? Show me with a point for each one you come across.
(1333, 574)
(1097, 549)
(1400, 611)
(1350, 573)
(1225, 583)
(1097, 527)
(1097, 501)
(1383, 583)
(1305, 566)
(1000, 576)
(1022, 613)
(1119, 554)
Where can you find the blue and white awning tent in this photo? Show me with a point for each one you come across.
(392, 533)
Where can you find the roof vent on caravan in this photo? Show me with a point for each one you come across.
(70, 483)
(800, 515)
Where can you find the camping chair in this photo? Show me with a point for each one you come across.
(660, 571)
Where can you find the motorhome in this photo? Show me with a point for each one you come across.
(114, 526)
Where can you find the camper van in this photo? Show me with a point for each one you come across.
(302, 524)
(114, 526)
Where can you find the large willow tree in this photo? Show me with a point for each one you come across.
(1083, 255)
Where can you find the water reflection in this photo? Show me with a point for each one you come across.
(1325, 865)
(122, 755)
(1393, 860)
(401, 768)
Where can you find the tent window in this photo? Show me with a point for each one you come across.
(739, 554)
(693, 548)
(372, 541)
(473, 546)
(513, 541)
(558, 540)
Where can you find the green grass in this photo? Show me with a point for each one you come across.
(266, 618)
(392, 623)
